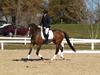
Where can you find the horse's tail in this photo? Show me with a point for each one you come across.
(68, 41)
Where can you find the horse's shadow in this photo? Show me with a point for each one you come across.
(32, 59)
(37, 59)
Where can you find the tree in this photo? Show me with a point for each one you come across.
(93, 17)
(23, 11)
(97, 11)
(70, 10)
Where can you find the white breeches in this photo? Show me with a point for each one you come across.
(46, 31)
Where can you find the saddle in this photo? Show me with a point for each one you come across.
(50, 34)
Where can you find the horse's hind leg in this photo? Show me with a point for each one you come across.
(37, 52)
(61, 49)
(57, 50)
(61, 53)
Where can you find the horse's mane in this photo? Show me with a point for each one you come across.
(33, 25)
(34, 29)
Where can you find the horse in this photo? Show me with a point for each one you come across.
(36, 39)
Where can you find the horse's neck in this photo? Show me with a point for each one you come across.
(35, 31)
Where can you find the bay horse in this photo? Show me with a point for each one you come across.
(36, 39)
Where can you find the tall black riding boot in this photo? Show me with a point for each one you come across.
(46, 39)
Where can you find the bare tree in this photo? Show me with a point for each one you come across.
(70, 10)
(24, 11)
(93, 17)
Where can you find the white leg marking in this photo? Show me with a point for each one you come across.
(28, 57)
(62, 44)
(61, 55)
(40, 55)
(54, 57)
(47, 30)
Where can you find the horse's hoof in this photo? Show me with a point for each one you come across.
(52, 59)
(63, 58)
(42, 58)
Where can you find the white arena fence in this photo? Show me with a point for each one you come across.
(25, 40)
(13, 40)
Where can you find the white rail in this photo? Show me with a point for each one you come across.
(25, 40)
(84, 41)
(7, 40)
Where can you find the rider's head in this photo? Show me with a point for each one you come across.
(45, 12)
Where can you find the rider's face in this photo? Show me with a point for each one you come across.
(45, 14)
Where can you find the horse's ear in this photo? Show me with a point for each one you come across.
(29, 25)
(32, 25)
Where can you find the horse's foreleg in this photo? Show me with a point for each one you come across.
(37, 52)
(29, 53)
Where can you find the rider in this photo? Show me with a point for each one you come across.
(45, 23)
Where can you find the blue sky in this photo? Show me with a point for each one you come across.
(92, 4)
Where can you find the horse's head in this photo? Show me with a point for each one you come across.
(33, 28)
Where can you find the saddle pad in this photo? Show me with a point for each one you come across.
(50, 35)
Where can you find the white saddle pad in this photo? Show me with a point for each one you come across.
(50, 35)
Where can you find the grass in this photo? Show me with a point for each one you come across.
(76, 30)
(51, 46)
